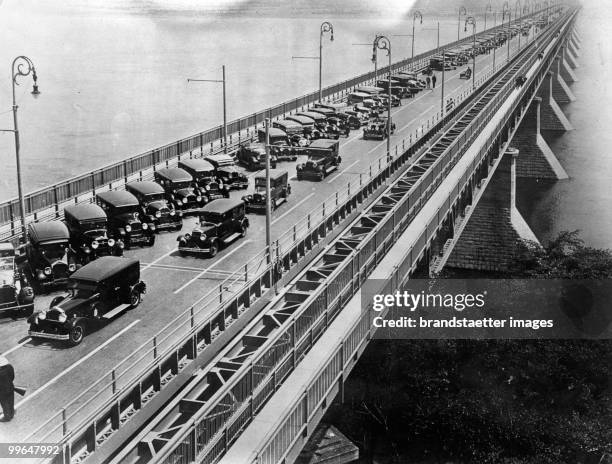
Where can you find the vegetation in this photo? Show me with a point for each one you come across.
(493, 401)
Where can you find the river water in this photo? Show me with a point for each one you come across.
(113, 76)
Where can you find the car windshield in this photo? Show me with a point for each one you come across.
(213, 217)
(53, 250)
(82, 291)
(151, 197)
(95, 232)
(181, 185)
(129, 209)
(93, 225)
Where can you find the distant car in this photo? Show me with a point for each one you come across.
(467, 74)
(279, 192)
(221, 223)
(323, 159)
(15, 292)
(125, 221)
(155, 207)
(252, 156)
(49, 259)
(205, 179)
(353, 118)
(89, 238)
(180, 191)
(227, 173)
(98, 292)
(377, 129)
(282, 147)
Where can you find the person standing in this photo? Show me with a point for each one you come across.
(433, 81)
(428, 80)
(7, 389)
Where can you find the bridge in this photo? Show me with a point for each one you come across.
(254, 345)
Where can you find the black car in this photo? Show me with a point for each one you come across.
(15, 292)
(155, 207)
(225, 167)
(87, 224)
(221, 223)
(279, 192)
(323, 159)
(97, 292)
(252, 156)
(178, 185)
(49, 259)
(205, 180)
(124, 218)
(283, 148)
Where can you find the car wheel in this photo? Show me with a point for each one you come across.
(151, 241)
(214, 249)
(179, 227)
(242, 231)
(321, 176)
(77, 332)
(135, 297)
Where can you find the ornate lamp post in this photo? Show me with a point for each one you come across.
(325, 27)
(383, 43)
(414, 17)
(471, 20)
(518, 2)
(509, 12)
(464, 11)
(22, 66)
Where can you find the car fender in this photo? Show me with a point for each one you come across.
(245, 222)
(180, 238)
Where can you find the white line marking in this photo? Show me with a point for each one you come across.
(421, 114)
(253, 174)
(180, 289)
(79, 362)
(158, 259)
(341, 172)
(295, 206)
(377, 146)
(352, 139)
(19, 345)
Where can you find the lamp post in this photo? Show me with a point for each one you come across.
(383, 43)
(268, 201)
(22, 66)
(464, 11)
(221, 81)
(414, 17)
(488, 8)
(325, 27)
(518, 2)
(509, 12)
(495, 39)
(471, 20)
(442, 108)
(374, 56)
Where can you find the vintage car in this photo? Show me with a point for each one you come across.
(354, 119)
(398, 89)
(205, 179)
(154, 206)
(377, 129)
(49, 259)
(252, 156)
(180, 192)
(279, 192)
(323, 159)
(225, 167)
(384, 100)
(98, 292)
(316, 117)
(15, 293)
(89, 238)
(282, 147)
(467, 74)
(306, 122)
(125, 219)
(221, 222)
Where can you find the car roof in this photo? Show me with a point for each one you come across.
(360, 94)
(324, 111)
(103, 268)
(118, 198)
(274, 174)
(220, 158)
(222, 205)
(85, 212)
(277, 132)
(196, 164)
(145, 187)
(368, 88)
(312, 115)
(301, 119)
(52, 231)
(175, 174)
(323, 143)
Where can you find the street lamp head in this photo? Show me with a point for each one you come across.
(35, 91)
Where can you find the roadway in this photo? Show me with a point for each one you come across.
(54, 374)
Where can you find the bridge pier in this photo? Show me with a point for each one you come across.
(496, 233)
(574, 47)
(537, 159)
(561, 91)
(566, 71)
(552, 117)
(570, 57)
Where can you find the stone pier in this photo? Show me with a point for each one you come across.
(496, 233)
(552, 117)
(560, 90)
(569, 57)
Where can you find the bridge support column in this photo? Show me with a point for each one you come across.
(496, 233)
(566, 71)
(560, 90)
(574, 47)
(552, 118)
(570, 57)
(537, 160)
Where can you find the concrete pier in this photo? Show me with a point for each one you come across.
(570, 57)
(552, 117)
(560, 90)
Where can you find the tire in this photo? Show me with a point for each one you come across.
(242, 231)
(151, 241)
(77, 332)
(214, 249)
(179, 227)
(135, 298)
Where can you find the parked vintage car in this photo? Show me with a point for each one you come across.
(15, 292)
(354, 119)
(306, 122)
(87, 224)
(221, 223)
(279, 192)
(205, 180)
(225, 167)
(180, 192)
(49, 260)
(125, 220)
(98, 292)
(467, 74)
(377, 129)
(282, 147)
(323, 159)
(252, 156)
(154, 206)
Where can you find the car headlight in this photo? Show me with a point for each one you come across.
(86, 250)
(187, 237)
(120, 244)
(95, 244)
(207, 188)
(128, 228)
(203, 237)
(62, 317)
(198, 198)
(152, 226)
(42, 315)
(185, 201)
(111, 242)
(220, 184)
(72, 267)
(172, 213)
(158, 214)
(144, 226)
(47, 271)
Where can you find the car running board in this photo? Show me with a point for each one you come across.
(231, 238)
(331, 169)
(279, 201)
(115, 311)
